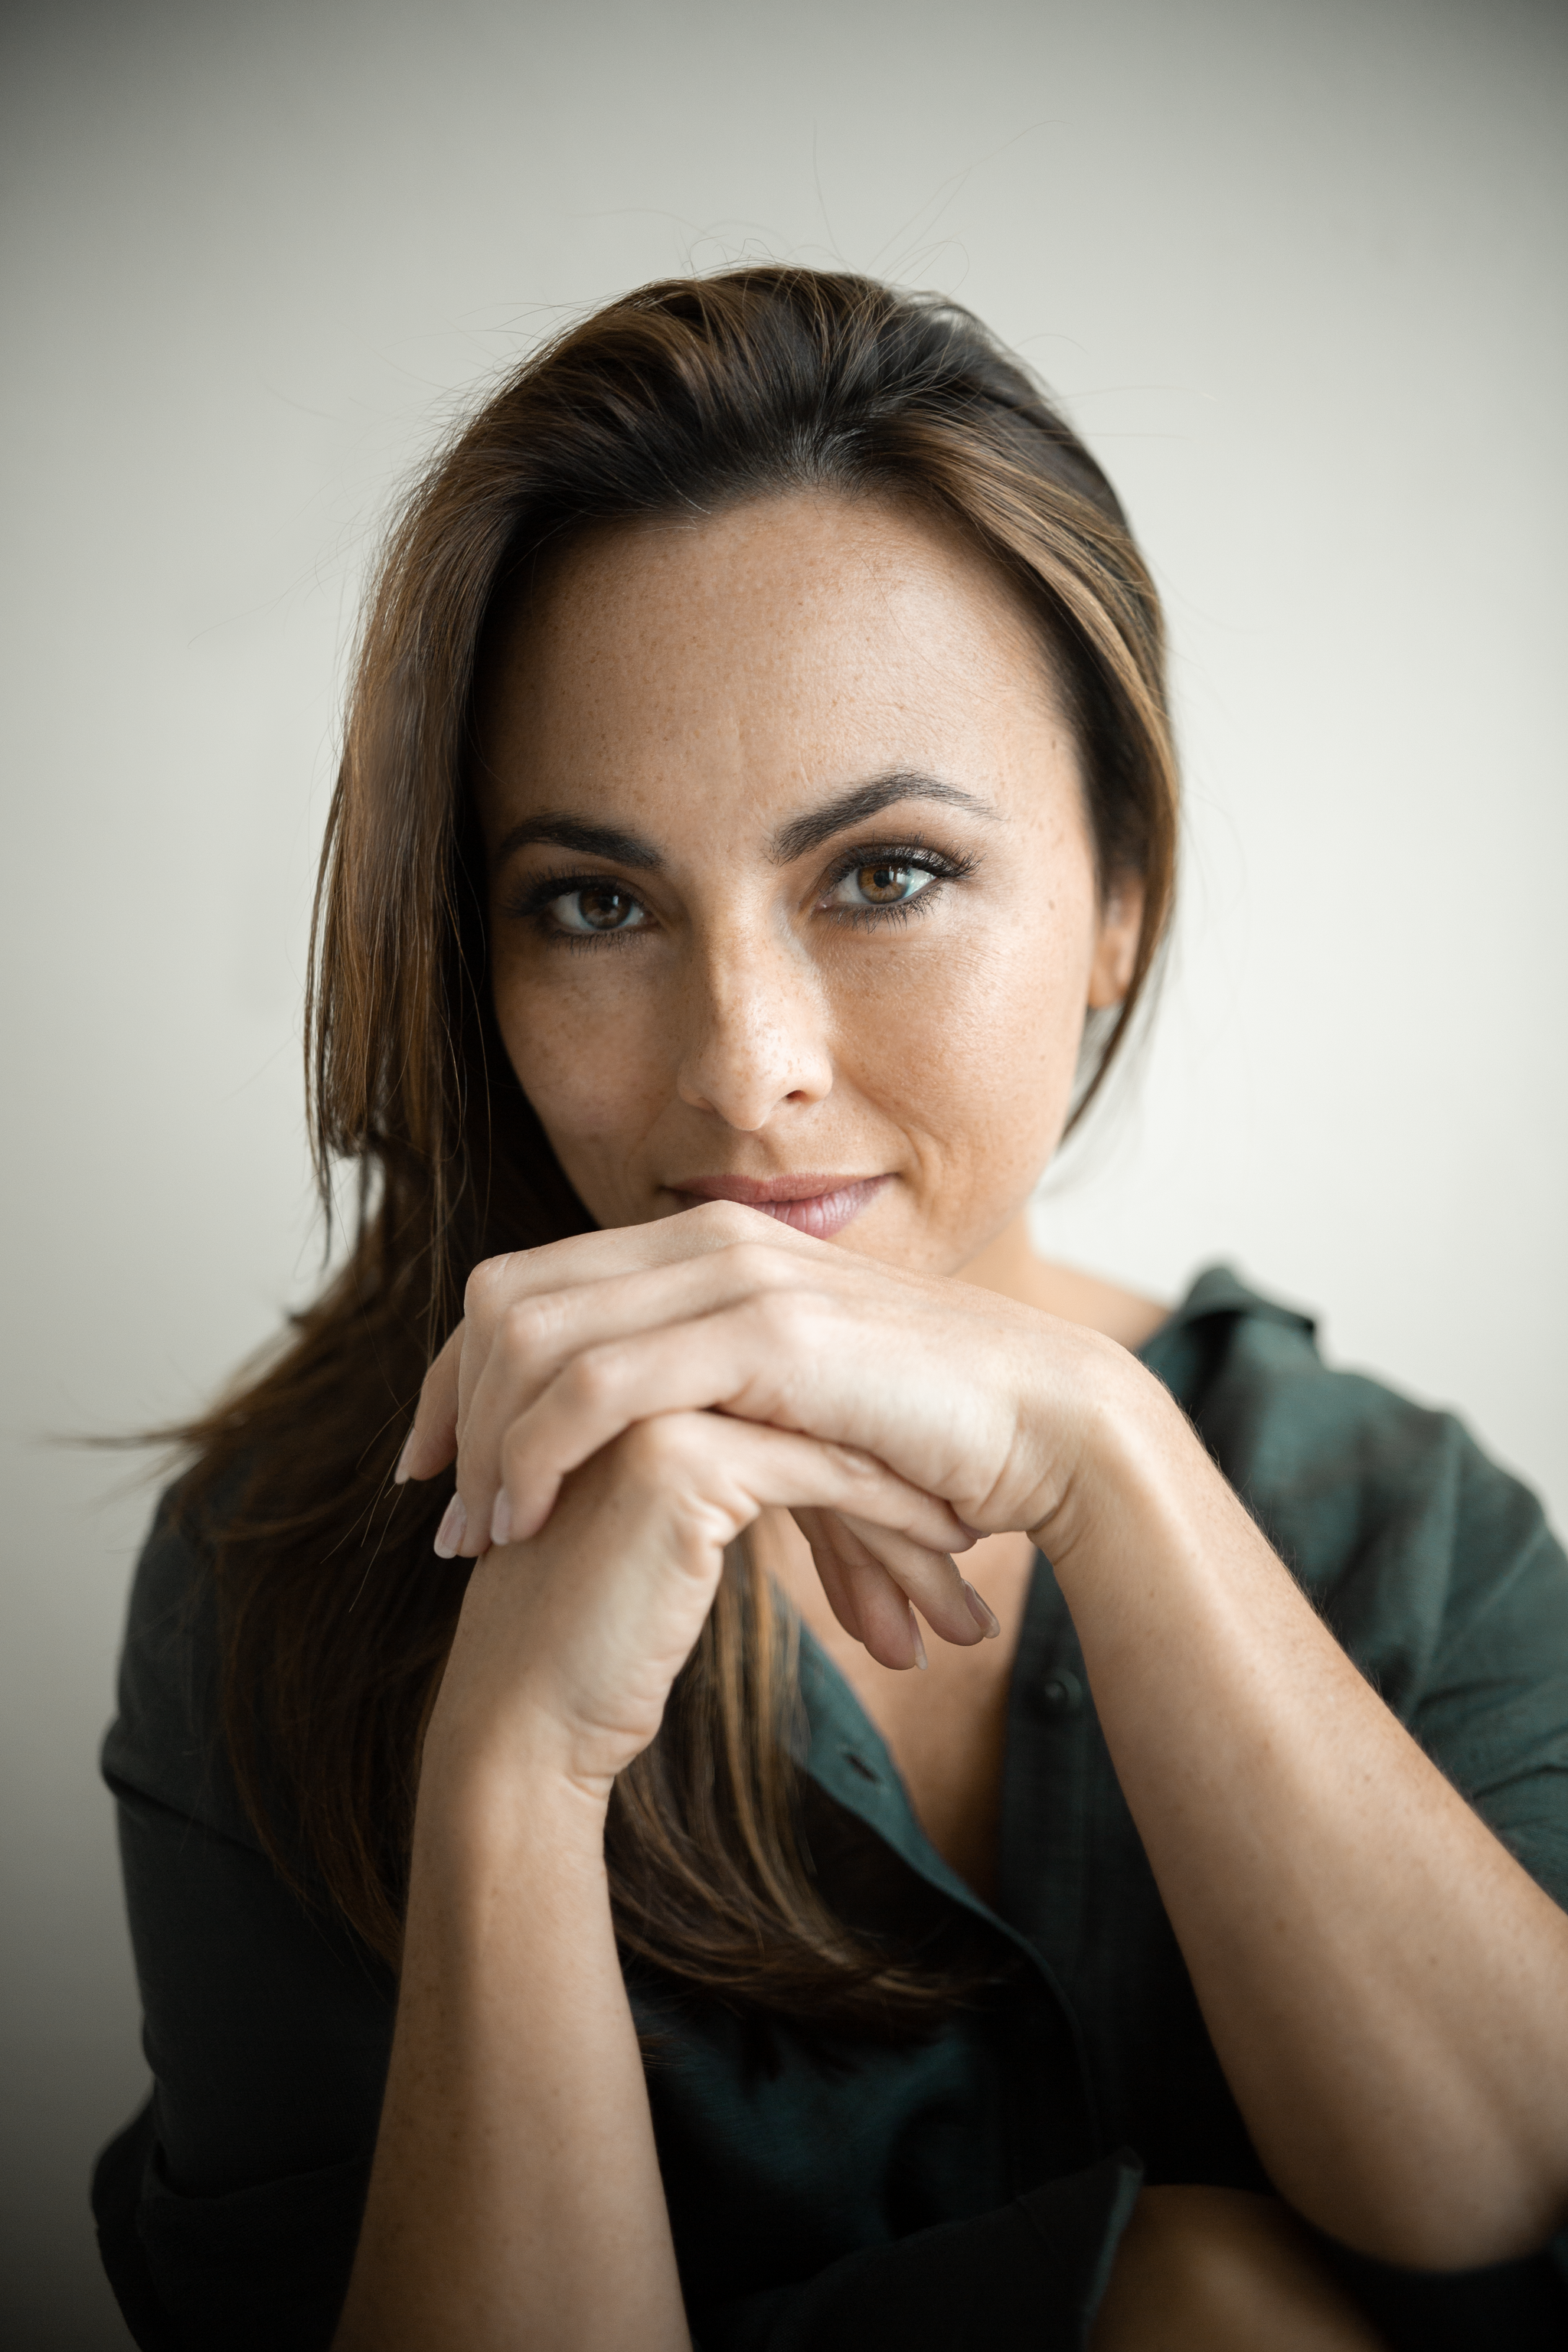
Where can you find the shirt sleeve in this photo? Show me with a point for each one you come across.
(230, 2210)
(1493, 1711)
(1434, 1567)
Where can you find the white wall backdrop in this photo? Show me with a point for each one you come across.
(1295, 266)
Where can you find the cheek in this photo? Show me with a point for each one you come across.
(974, 1047)
(584, 1046)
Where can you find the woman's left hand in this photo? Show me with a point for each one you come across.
(982, 1402)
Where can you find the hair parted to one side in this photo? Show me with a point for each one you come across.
(335, 1617)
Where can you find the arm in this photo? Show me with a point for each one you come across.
(515, 2197)
(1383, 1982)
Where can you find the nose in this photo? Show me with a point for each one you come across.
(756, 1032)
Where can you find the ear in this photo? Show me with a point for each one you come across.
(1116, 942)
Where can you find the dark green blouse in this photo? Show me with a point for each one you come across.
(966, 2191)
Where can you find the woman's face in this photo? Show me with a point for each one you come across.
(792, 889)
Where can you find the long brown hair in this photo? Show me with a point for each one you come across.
(335, 1616)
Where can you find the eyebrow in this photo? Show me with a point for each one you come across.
(862, 801)
(561, 832)
(801, 834)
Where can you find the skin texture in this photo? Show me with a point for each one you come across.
(1383, 1984)
(703, 686)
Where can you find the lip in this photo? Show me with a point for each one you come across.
(816, 1204)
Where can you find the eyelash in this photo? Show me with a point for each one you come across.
(934, 862)
(532, 902)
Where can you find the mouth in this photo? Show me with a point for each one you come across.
(819, 1205)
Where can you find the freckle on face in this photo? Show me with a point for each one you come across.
(702, 684)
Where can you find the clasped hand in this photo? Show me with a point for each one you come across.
(651, 1390)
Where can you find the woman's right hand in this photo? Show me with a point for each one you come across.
(568, 1644)
(516, 2196)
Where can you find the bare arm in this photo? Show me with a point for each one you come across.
(1386, 1987)
(515, 2198)
(516, 2195)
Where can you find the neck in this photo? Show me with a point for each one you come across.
(1009, 1267)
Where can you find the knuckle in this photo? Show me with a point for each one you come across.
(655, 1451)
(758, 1266)
(790, 1318)
(728, 1220)
(482, 1291)
(861, 1466)
(592, 1381)
(523, 1328)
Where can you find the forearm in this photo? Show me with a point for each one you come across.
(515, 2198)
(1385, 1985)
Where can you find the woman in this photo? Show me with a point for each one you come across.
(563, 1919)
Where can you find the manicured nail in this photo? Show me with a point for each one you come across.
(500, 1519)
(988, 1624)
(454, 1526)
(400, 1476)
(919, 1645)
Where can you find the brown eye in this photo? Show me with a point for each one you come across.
(883, 885)
(884, 882)
(598, 906)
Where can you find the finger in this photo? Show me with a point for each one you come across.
(530, 1340)
(763, 1360)
(742, 1469)
(847, 1550)
(694, 1234)
(432, 1441)
(533, 1466)
(817, 1528)
(873, 1607)
(556, 1276)
(927, 1578)
(890, 1632)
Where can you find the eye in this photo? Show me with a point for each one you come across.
(595, 907)
(884, 882)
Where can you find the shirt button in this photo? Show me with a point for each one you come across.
(1061, 1693)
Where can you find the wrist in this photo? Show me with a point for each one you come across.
(512, 1788)
(1132, 1470)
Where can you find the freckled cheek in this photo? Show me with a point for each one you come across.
(975, 1046)
(586, 1056)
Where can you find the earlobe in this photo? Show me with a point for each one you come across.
(1116, 944)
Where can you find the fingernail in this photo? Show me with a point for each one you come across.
(989, 1625)
(400, 1474)
(500, 1519)
(968, 1529)
(454, 1526)
(919, 1645)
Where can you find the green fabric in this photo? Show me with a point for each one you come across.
(966, 2191)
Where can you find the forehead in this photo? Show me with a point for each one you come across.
(768, 649)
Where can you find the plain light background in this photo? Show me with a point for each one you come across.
(1294, 269)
